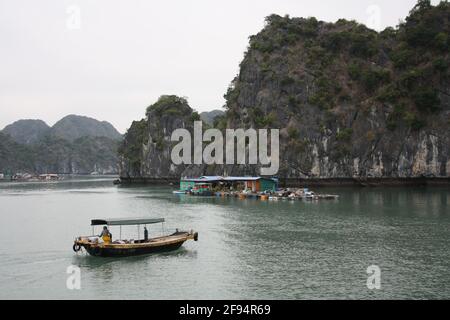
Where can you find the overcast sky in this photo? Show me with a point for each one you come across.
(110, 59)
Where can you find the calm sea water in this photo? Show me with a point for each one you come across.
(246, 250)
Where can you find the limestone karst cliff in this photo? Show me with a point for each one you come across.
(349, 102)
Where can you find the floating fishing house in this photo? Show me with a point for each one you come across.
(255, 184)
(245, 188)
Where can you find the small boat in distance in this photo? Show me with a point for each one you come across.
(121, 248)
(202, 190)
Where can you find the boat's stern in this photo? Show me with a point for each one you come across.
(83, 242)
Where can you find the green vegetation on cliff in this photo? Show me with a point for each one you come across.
(347, 63)
(145, 149)
(13, 156)
(169, 105)
(131, 148)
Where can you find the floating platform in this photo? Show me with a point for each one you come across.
(268, 197)
(280, 195)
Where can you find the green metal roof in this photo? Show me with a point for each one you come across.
(125, 221)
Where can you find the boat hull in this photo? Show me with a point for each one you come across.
(99, 251)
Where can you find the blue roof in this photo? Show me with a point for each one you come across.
(211, 178)
(242, 178)
(204, 179)
(219, 178)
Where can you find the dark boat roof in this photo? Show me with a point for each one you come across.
(125, 221)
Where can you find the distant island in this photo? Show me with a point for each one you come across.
(209, 117)
(74, 145)
(351, 103)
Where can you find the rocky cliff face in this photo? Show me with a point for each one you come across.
(349, 102)
(146, 149)
(164, 117)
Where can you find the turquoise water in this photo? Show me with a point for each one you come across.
(247, 249)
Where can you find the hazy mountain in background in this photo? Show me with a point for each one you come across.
(13, 155)
(74, 145)
(209, 117)
(73, 127)
(27, 131)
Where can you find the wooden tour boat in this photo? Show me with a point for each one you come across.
(120, 248)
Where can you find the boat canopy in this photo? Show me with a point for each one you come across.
(125, 221)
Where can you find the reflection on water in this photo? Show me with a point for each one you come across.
(246, 249)
(86, 261)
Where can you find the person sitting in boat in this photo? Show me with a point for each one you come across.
(145, 234)
(106, 235)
